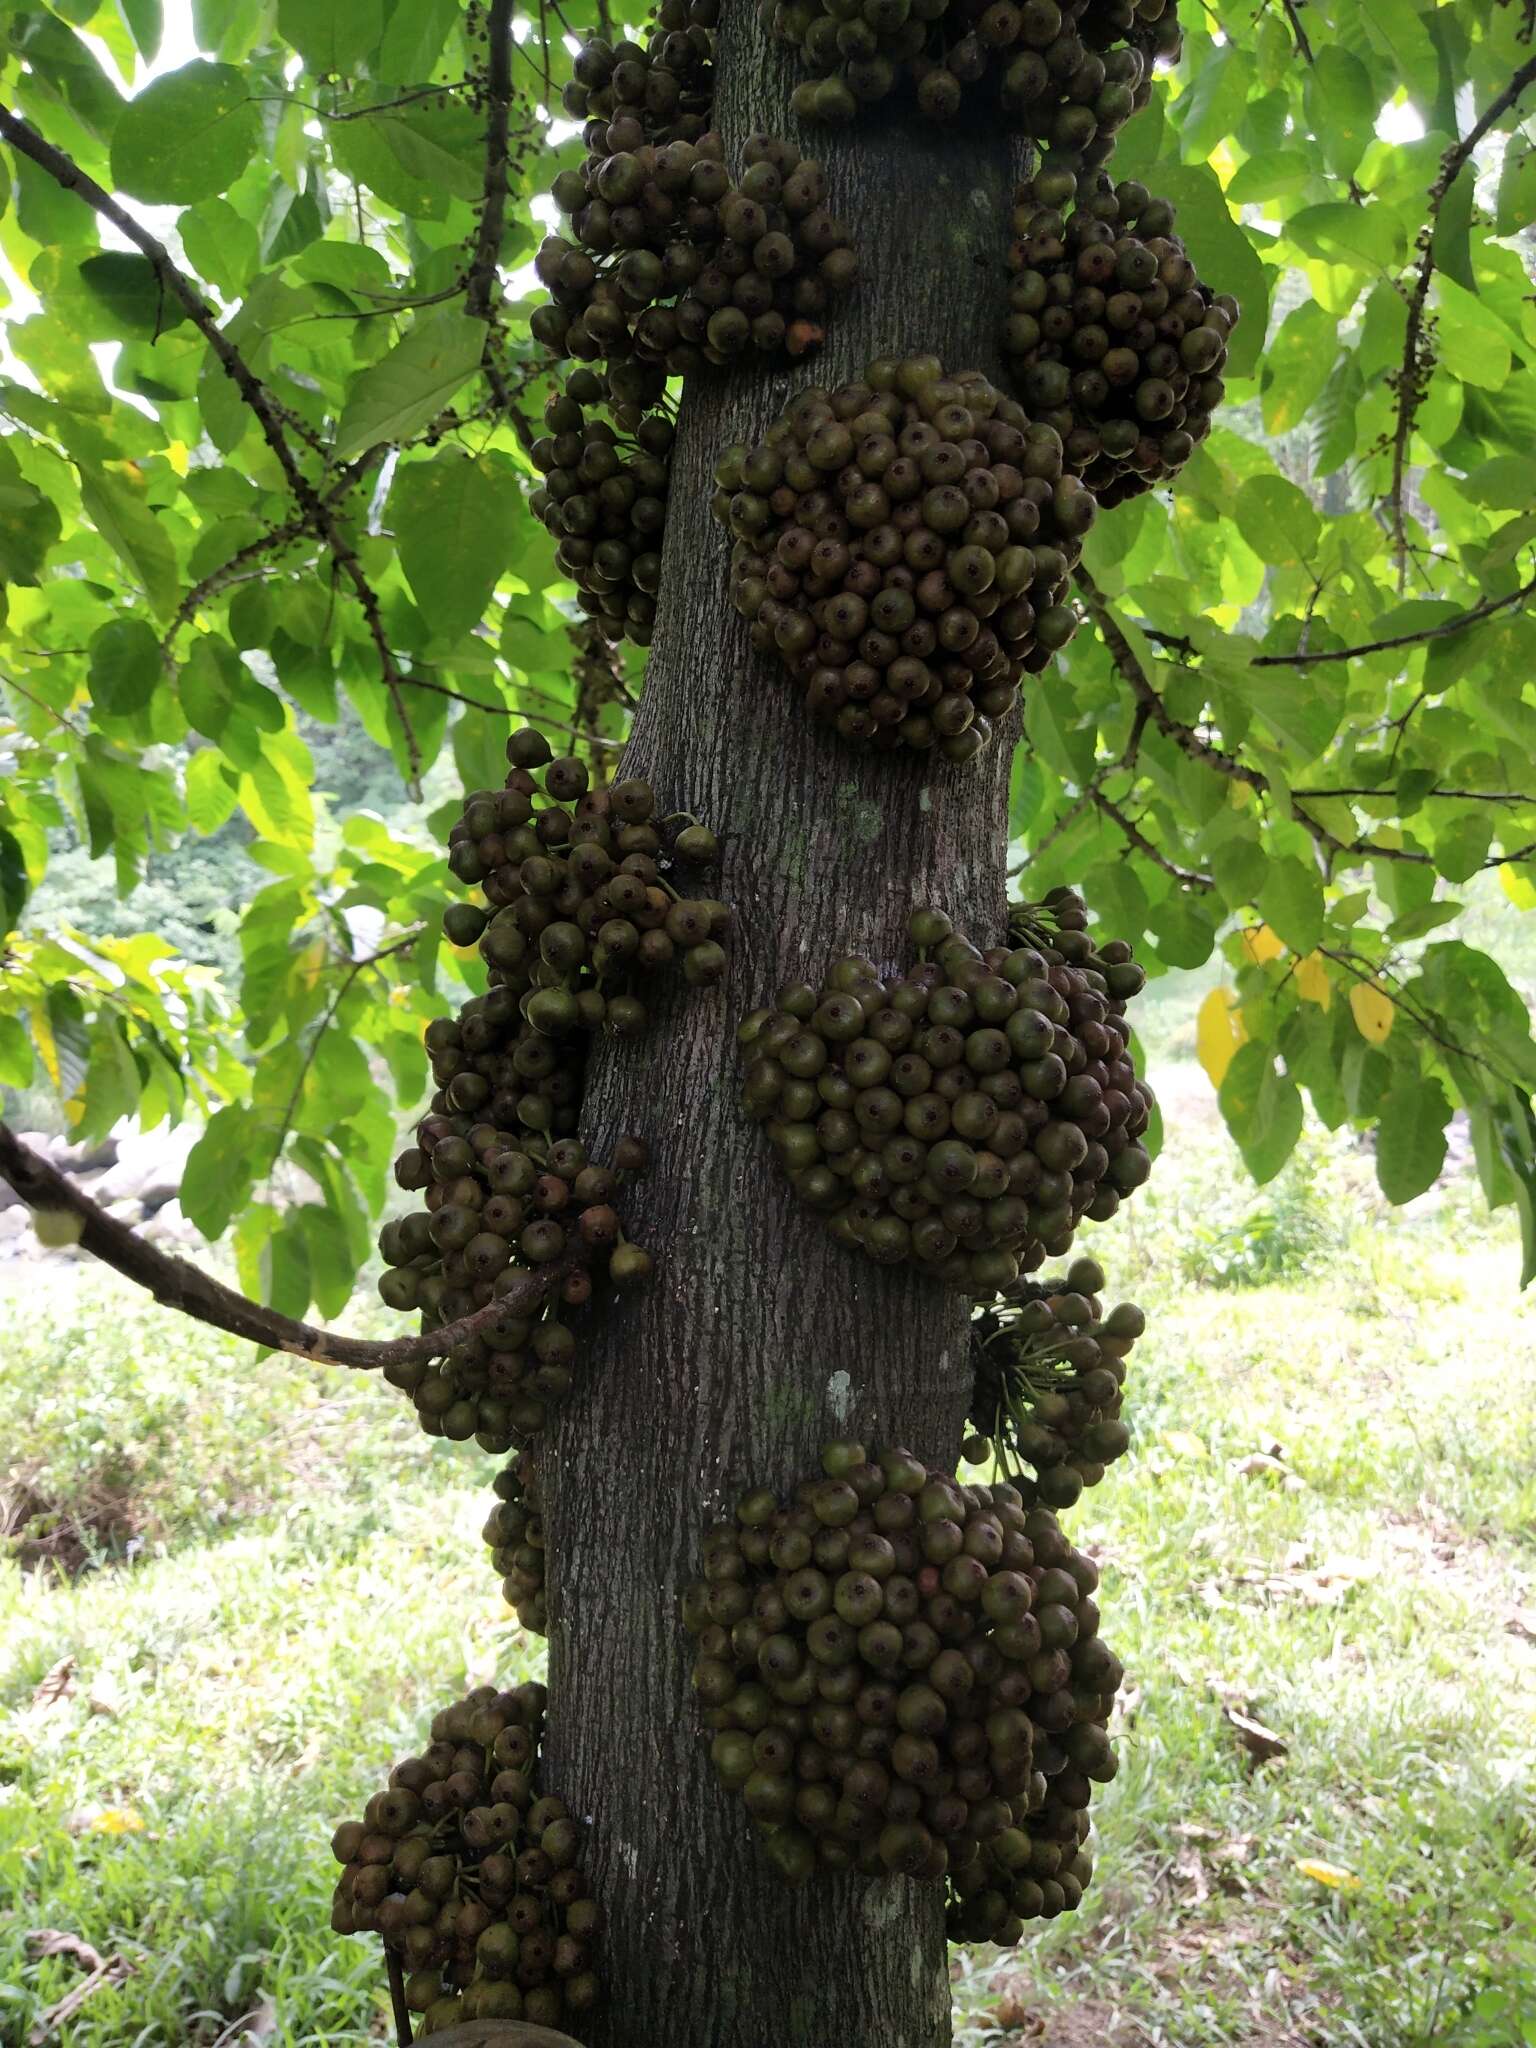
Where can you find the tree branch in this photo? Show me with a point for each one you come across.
(1304, 48)
(269, 414)
(1418, 357)
(1465, 796)
(1443, 631)
(1197, 748)
(480, 280)
(1190, 878)
(175, 1283)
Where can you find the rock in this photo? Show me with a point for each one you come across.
(14, 1224)
(149, 1167)
(89, 1157)
(169, 1225)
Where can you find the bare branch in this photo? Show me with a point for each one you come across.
(176, 1283)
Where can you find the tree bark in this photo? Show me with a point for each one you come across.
(760, 1337)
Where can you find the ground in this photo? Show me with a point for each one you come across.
(240, 1588)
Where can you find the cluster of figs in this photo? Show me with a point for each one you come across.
(966, 1116)
(581, 909)
(904, 1676)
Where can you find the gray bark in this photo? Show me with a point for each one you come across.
(760, 1337)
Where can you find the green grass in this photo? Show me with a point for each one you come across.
(276, 1579)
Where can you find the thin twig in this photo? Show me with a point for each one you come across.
(1189, 878)
(176, 1283)
(1412, 379)
(1444, 630)
(1197, 748)
(1465, 796)
(354, 969)
(42, 704)
(1293, 16)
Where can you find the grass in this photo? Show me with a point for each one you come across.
(273, 1579)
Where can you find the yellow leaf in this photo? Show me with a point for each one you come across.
(1312, 983)
(1218, 1033)
(1186, 1443)
(1330, 1874)
(1373, 1009)
(1519, 888)
(42, 1033)
(117, 1820)
(1261, 944)
(176, 456)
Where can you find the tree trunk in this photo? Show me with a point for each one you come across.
(760, 1337)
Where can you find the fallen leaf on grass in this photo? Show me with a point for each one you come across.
(53, 1941)
(1189, 1867)
(1334, 1875)
(252, 2028)
(105, 1820)
(1186, 1444)
(1262, 1744)
(1260, 1465)
(100, 1973)
(56, 1685)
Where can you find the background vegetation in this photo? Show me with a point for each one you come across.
(1325, 1524)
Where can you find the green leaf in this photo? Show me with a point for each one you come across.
(1370, 238)
(146, 24)
(187, 135)
(217, 1179)
(1277, 520)
(16, 1060)
(13, 882)
(1291, 904)
(134, 534)
(222, 245)
(334, 36)
(1461, 845)
(414, 39)
(332, 1266)
(285, 1283)
(1469, 342)
(453, 518)
(1222, 253)
(210, 795)
(1410, 1138)
(1214, 104)
(1298, 366)
(409, 387)
(1341, 107)
(128, 288)
(1262, 1108)
(125, 666)
(29, 524)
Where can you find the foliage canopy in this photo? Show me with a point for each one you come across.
(283, 489)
